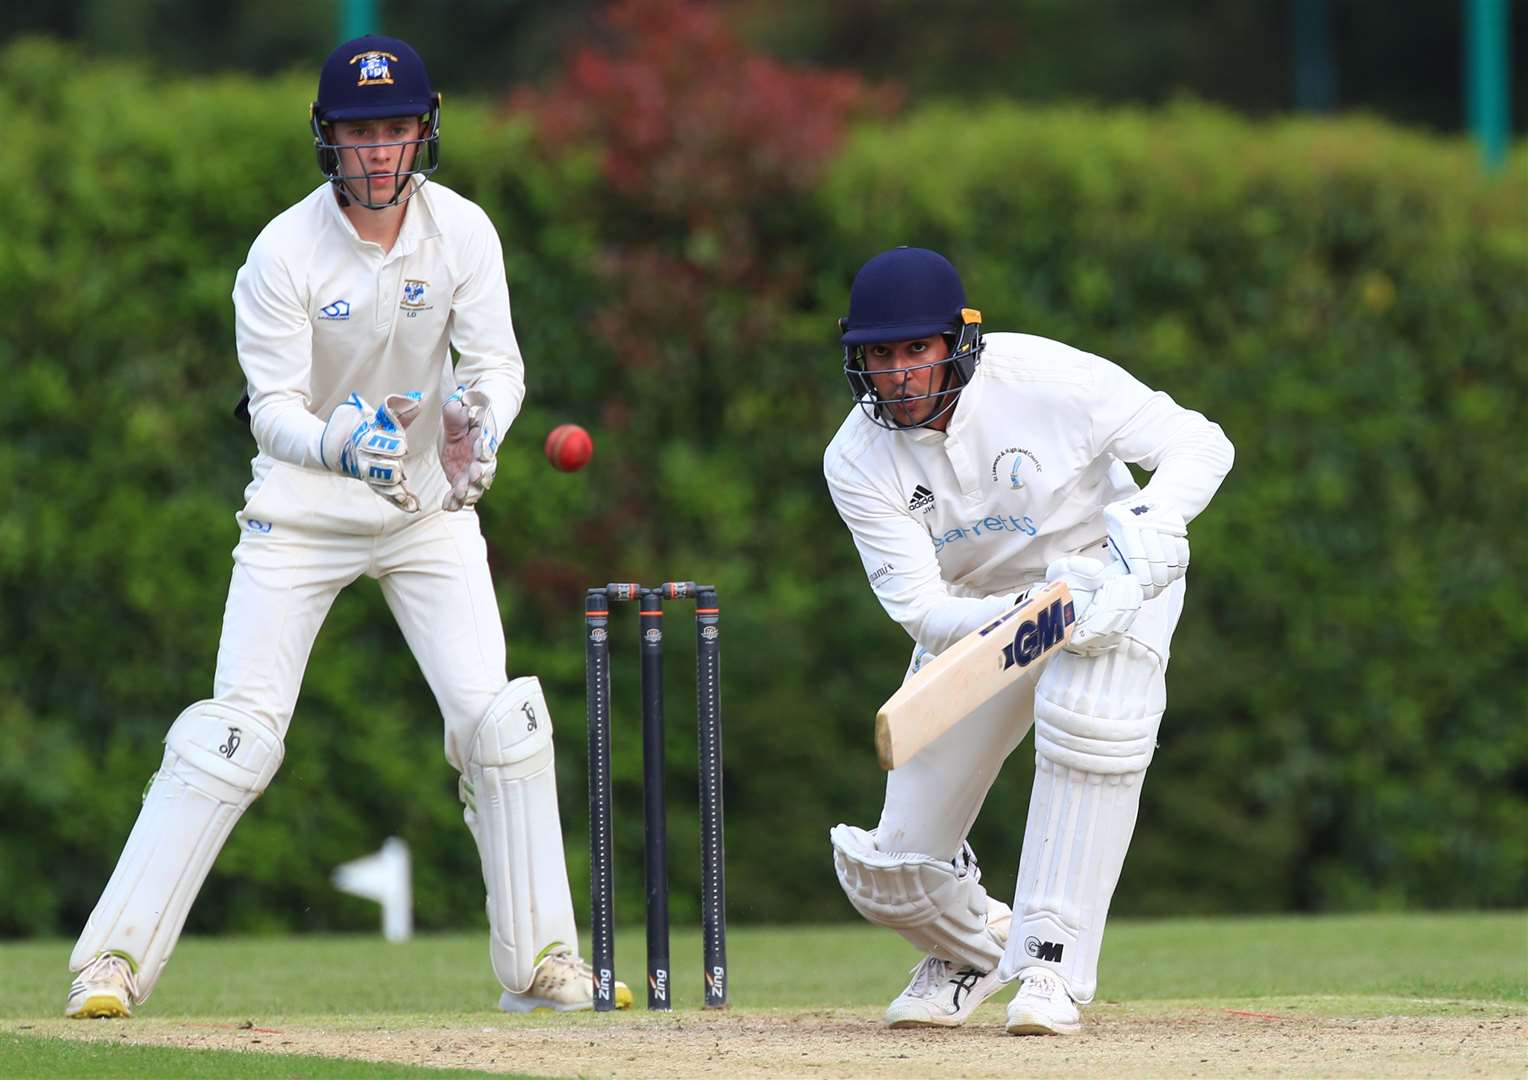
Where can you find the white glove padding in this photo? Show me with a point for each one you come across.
(1152, 539)
(469, 447)
(369, 444)
(1106, 600)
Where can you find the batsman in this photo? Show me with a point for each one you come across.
(373, 449)
(973, 468)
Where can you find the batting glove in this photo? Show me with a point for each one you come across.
(469, 447)
(1106, 599)
(370, 444)
(1151, 538)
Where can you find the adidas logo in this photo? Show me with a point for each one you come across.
(922, 499)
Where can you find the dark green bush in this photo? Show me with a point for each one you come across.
(1347, 697)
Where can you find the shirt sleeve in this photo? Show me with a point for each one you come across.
(481, 329)
(274, 337)
(1187, 454)
(898, 555)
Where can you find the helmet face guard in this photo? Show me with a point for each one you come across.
(376, 193)
(907, 294)
(959, 366)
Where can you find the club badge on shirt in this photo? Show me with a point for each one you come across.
(1015, 473)
(415, 297)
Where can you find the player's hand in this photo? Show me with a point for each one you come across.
(369, 444)
(1106, 600)
(1151, 538)
(469, 447)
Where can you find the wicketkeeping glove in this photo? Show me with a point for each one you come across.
(1151, 538)
(369, 444)
(469, 447)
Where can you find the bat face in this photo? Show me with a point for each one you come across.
(971, 672)
(1035, 637)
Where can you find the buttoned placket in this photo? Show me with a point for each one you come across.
(389, 286)
(964, 466)
(956, 452)
(387, 269)
(390, 271)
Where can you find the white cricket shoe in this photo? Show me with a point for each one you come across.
(1042, 1006)
(105, 989)
(564, 982)
(941, 994)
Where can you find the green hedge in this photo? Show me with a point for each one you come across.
(1346, 698)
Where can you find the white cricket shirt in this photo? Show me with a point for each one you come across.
(952, 525)
(321, 313)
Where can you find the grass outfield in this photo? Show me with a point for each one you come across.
(239, 1006)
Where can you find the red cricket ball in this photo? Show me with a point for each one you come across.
(568, 447)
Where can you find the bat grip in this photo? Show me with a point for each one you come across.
(1115, 566)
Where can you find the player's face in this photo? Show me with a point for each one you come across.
(904, 371)
(375, 153)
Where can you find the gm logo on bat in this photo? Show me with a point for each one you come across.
(1035, 637)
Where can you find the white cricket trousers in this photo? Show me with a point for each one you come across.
(305, 535)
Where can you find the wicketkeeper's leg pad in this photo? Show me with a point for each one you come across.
(1096, 721)
(509, 789)
(938, 905)
(217, 761)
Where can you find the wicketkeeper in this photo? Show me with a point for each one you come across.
(973, 467)
(373, 450)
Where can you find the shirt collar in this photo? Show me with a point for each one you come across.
(965, 408)
(419, 221)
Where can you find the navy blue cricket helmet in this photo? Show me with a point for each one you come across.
(373, 78)
(904, 294)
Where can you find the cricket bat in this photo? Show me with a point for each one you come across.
(972, 671)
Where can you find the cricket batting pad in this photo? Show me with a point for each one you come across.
(509, 790)
(938, 905)
(1096, 720)
(217, 761)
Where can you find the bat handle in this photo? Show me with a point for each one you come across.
(1117, 563)
(1114, 567)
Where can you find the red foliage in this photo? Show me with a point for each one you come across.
(690, 122)
(708, 151)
